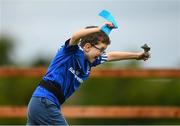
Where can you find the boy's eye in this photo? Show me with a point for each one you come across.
(100, 49)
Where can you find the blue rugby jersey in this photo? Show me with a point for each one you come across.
(68, 69)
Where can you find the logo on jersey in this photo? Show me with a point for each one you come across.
(75, 73)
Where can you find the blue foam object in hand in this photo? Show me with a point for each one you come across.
(107, 15)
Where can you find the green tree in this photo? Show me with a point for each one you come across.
(6, 47)
(41, 61)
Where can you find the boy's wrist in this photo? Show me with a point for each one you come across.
(138, 56)
(99, 28)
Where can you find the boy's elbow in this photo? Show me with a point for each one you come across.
(113, 56)
(74, 39)
(110, 57)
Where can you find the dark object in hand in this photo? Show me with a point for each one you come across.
(145, 47)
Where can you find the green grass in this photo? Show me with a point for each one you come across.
(100, 91)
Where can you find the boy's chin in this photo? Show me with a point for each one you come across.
(92, 60)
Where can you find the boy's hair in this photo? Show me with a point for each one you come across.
(94, 38)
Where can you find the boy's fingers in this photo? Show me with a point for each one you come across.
(146, 56)
(109, 24)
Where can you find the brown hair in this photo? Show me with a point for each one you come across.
(94, 38)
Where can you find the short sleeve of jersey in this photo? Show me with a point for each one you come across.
(68, 48)
(101, 59)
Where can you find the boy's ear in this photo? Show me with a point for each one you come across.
(87, 47)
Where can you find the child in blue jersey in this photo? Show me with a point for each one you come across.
(68, 69)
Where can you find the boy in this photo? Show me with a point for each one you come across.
(69, 68)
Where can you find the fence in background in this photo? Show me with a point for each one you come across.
(120, 73)
(100, 111)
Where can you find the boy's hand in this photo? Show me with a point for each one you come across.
(109, 24)
(107, 27)
(144, 56)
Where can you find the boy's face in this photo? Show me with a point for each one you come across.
(92, 52)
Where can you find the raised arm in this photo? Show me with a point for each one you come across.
(116, 55)
(81, 33)
(84, 32)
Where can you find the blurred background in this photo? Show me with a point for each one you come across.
(32, 31)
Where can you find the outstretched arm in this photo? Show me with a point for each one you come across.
(116, 56)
